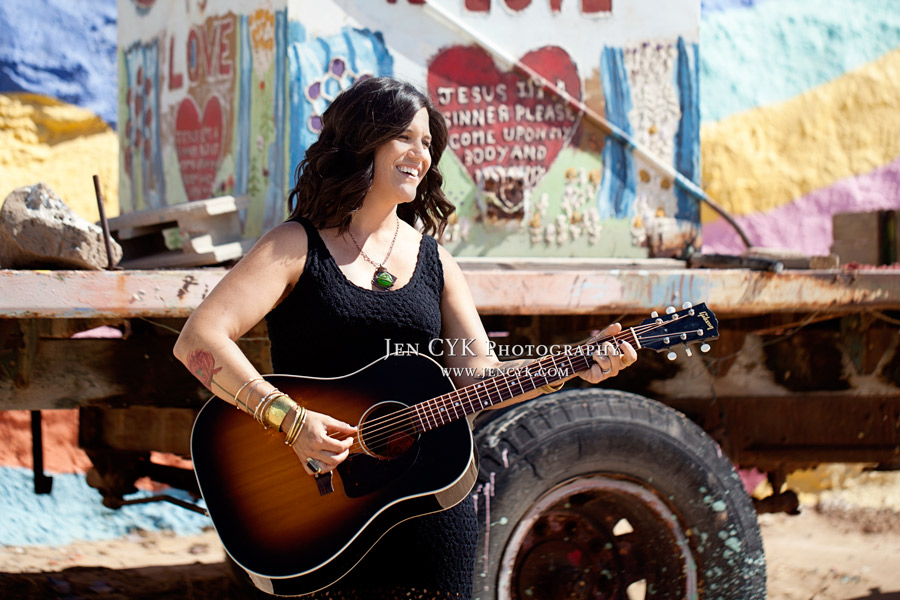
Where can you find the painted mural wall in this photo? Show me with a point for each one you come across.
(800, 117)
(529, 173)
(224, 98)
(796, 102)
(201, 105)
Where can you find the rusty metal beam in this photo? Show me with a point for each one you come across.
(137, 429)
(734, 292)
(800, 429)
(137, 369)
(499, 287)
(72, 373)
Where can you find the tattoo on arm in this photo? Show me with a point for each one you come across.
(203, 365)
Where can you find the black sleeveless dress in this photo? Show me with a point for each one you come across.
(328, 326)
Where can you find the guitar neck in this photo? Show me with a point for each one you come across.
(491, 391)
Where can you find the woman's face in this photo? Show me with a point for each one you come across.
(401, 164)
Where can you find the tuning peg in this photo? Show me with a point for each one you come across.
(687, 305)
(704, 348)
(654, 315)
(670, 310)
(671, 356)
(687, 351)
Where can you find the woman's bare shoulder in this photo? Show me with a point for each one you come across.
(282, 250)
(287, 241)
(448, 263)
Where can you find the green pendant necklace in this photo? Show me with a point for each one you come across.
(383, 279)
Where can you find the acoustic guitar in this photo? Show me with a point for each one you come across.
(294, 534)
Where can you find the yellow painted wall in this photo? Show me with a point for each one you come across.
(42, 139)
(766, 157)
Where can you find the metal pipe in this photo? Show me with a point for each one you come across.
(104, 223)
(434, 9)
(42, 483)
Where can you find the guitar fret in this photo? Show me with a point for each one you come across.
(439, 411)
(471, 402)
(467, 400)
(636, 342)
(431, 414)
(534, 386)
(489, 392)
(498, 393)
(421, 424)
(436, 414)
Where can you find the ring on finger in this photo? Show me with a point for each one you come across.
(314, 465)
(605, 371)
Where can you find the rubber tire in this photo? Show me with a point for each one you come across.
(538, 445)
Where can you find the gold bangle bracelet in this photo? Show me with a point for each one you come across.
(237, 394)
(296, 426)
(259, 411)
(278, 410)
(549, 389)
(293, 427)
(250, 392)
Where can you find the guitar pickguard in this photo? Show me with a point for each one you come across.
(363, 474)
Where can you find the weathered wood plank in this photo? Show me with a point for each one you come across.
(93, 294)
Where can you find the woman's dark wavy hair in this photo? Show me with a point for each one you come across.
(338, 169)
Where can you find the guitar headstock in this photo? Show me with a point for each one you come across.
(690, 324)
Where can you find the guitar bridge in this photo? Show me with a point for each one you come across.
(326, 486)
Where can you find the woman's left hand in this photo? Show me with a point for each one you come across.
(609, 359)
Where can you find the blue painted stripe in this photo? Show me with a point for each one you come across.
(148, 187)
(242, 127)
(276, 193)
(687, 139)
(774, 51)
(617, 188)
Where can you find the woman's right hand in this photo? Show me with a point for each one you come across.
(325, 440)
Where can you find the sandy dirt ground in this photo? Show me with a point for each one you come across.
(845, 545)
(833, 552)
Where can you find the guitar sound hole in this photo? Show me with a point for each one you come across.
(387, 430)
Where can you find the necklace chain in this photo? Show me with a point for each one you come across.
(366, 256)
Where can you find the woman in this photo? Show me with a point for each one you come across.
(344, 279)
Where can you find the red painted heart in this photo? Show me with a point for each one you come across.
(500, 120)
(198, 143)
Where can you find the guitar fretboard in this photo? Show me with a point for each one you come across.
(460, 403)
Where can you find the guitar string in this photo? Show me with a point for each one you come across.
(441, 409)
(435, 412)
(379, 430)
(389, 424)
(446, 408)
